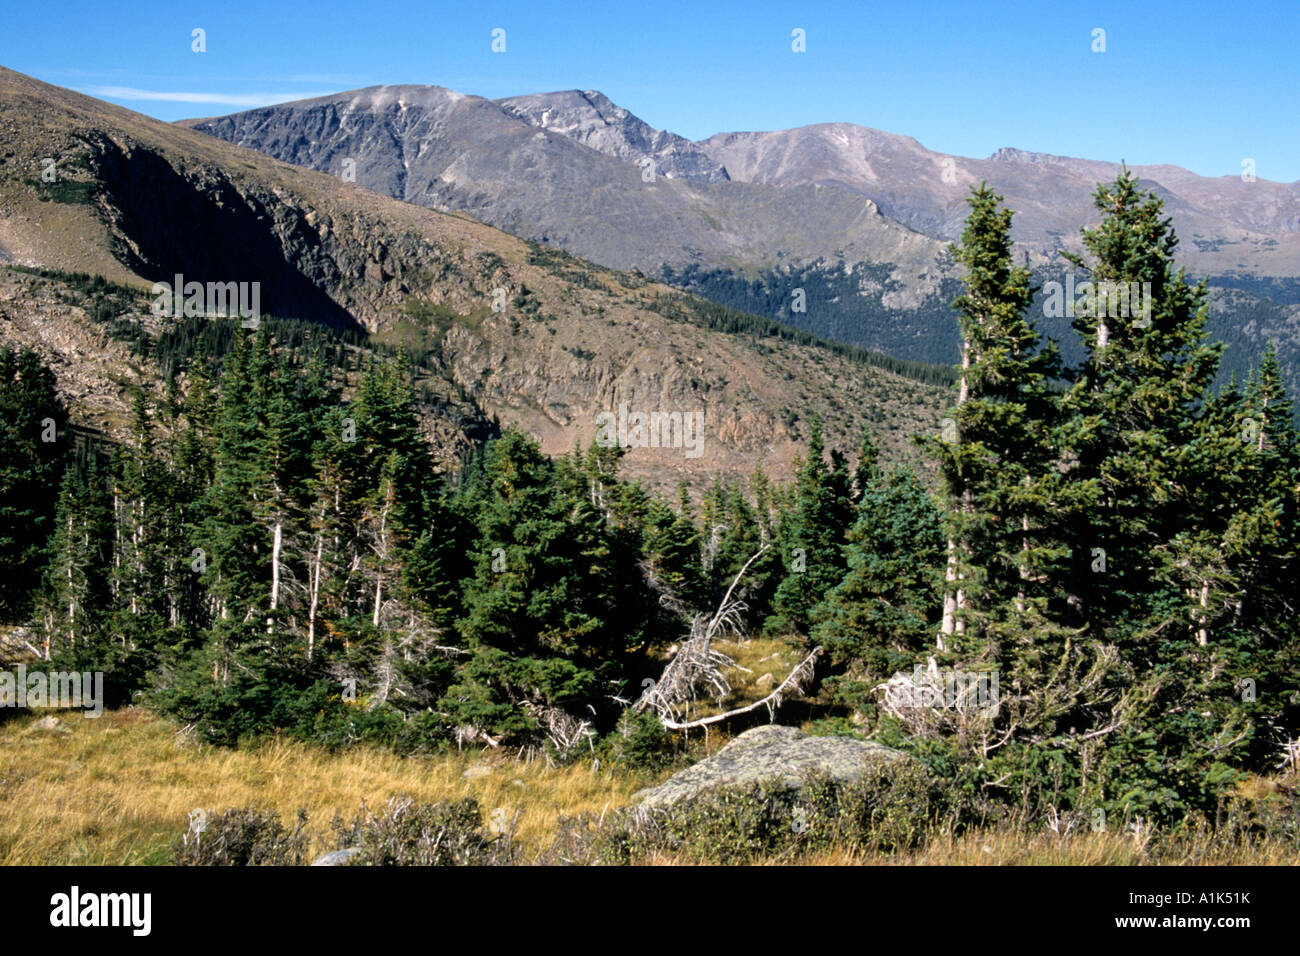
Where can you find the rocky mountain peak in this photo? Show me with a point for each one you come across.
(592, 119)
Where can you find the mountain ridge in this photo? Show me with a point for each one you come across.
(800, 209)
(138, 201)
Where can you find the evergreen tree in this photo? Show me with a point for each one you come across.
(880, 618)
(1158, 514)
(735, 535)
(1134, 405)
(674, 556)
(32, 425)
(812, 536)
(76, 592)
(998, 462)
(539, 607)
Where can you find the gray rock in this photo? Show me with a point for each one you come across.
(50, 724)
(337, 857)
(772, 752)
(476, 771)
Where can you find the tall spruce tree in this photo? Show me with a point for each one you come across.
(811, 535)
(32, 429)
(1135, 403)
(997, 460)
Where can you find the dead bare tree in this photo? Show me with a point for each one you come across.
(795, 683)
(562, 729)
(928, 702)
(698, 668)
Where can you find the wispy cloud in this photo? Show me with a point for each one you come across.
(132, 94)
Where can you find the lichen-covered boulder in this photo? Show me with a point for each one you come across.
(772, 753)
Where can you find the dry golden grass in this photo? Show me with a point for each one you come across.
(755, 659)
(1010, 847)
(758, 656)
(120, 789)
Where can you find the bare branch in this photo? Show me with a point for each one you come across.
(697, 666)
(794, 684)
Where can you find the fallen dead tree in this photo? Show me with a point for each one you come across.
(795, 683)
(699, 668)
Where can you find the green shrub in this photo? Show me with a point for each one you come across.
(638, 744)
(243, 837)
(444, 833)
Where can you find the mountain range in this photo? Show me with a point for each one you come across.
(500, 330)
(859, 219)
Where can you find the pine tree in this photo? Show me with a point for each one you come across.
(230, 537)
(1134, 403)
(539, 607)
(138, 558)
(1162, 520)
(191, 467)
(674, 558)
(998, 462)
(75, 597)
(880, 618)
(735, 533)
(32, 425)
(812, 536)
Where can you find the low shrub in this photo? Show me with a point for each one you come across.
(445, 833)
(244, 836)
(891, 808)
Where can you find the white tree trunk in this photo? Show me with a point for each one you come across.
(315, 597)
(277, 540)
(1203, 635)
(953, 597)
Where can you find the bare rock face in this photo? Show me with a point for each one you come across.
(568, 169)
(772, 752)
(1237, 225)
(590, 118)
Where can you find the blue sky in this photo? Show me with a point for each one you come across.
(1202, 85)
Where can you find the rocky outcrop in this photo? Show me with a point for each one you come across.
(589, 117)
(772, 753)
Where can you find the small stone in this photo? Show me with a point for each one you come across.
(50, 724)
(476, 771)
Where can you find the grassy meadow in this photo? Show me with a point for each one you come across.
(120, 789)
